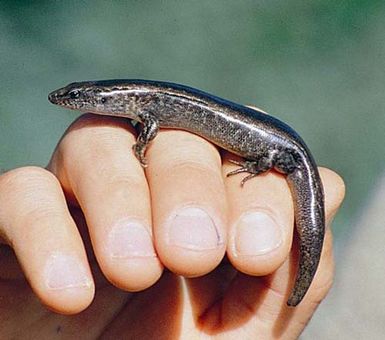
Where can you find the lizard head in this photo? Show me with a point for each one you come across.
(85, 97)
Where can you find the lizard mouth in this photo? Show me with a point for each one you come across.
(58, 96)
(52, 97)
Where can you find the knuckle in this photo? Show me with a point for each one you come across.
(99, 126)
(24, 178)
(26, 201)
(118, 172)
(123, 186)
(39, 213)
(334, 188)
(321, 291)
(93, 135)
(174, 147)
(186, 161)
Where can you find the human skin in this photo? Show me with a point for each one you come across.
(96, 230)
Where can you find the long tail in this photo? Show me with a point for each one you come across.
(307, 191)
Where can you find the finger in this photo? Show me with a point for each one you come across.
(35, 221)
(188, 201)
(258, 305)
(95, 164)
(260, 221)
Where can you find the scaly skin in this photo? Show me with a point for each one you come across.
(264, 141)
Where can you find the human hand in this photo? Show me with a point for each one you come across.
(192, 217)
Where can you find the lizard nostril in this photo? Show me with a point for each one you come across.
(52, 97)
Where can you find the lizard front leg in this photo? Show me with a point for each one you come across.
(150, 128)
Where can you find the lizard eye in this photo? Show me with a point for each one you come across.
(74, 94)
(103, 100)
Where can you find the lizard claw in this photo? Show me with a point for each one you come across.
(139, 154)
(240, 163)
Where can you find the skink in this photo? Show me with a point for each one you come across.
(262, 140)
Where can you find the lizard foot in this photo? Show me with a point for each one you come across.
(251, 167)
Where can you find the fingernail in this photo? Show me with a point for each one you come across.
(65, 271)
(257, 234)
(193, 228)
(130, 239)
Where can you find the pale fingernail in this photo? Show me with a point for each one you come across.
(65, 271)
(130, 239)
(257, 234)
(193, 228)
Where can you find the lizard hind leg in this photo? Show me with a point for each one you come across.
(286, 162)
(252, 167)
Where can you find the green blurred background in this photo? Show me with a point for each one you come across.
(318, 65)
